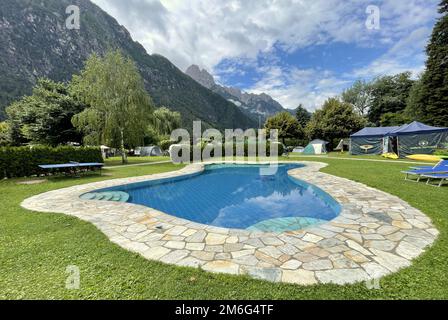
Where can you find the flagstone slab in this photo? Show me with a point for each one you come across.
(342, 276)
(374, 235)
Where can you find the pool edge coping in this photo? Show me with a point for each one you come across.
(101, 213)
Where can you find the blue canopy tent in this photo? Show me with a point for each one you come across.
(370, 140)
(419, 138)
(413, 138)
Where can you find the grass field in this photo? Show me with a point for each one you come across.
(346, 155)
(36, 248)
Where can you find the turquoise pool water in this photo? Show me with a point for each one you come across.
(237, 196)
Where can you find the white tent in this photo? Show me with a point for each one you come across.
(104, 151)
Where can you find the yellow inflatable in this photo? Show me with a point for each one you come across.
(390, 155)
(424, 157)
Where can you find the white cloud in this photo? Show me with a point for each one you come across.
(206, 32)
(293, 86)
(405, 55)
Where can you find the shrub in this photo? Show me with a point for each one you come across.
(441, 152)
(165, 144)
(177, 149)
(25, 161)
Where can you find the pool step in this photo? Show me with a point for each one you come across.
(117, 196)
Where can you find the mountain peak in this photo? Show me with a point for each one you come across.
(257, 106)
(201, 76)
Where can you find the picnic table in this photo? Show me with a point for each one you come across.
(72, 167)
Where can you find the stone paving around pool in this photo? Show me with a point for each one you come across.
(375, 234)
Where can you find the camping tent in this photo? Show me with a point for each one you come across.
(369, 140)
(343, 145)
(418, 138)
(151, 151)
(316, 146)
(298, 149)
(413, 138)
(105, 150)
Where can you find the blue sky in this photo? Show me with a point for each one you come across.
(339, 58)
(297, 51)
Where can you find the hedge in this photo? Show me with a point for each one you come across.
(177, 149)
(25, 161)
(441, 152)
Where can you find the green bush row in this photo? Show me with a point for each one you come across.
(203, 146)
(25, 161)
(441, 152)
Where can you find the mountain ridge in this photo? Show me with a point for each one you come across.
(39, 45)
(258, 106)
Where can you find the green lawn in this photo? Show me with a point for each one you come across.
(36, 248)
(116, 161)
(347, 155)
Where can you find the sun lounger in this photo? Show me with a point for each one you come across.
(441, 167)
(422, 168)
(438, 176)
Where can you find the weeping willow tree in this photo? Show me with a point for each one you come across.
(119, 107)
(165, 121)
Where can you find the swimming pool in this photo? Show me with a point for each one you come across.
(237, 196)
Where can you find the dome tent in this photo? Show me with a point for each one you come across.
(316, 146)
(151, 151)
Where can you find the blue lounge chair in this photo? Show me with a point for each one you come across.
(422, 168)
(441, 167)
(441, 163)
(439, 176)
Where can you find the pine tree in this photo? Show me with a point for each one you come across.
(302, 115)
(431, 101)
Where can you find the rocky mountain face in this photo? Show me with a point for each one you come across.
(257, 106)
(36, 43)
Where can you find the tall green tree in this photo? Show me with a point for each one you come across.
(166, 120)
(286, 124)
(359, 95)
(429, 98)
(45, 116)
(336, 120)
(413, 105)
(303, 116)
(120, 108)
(389, 94)
(4, 134)
(394, 119)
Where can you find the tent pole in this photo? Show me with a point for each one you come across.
(398, 147)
